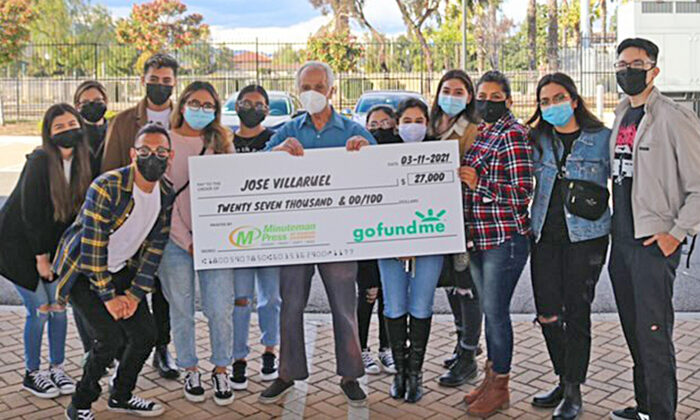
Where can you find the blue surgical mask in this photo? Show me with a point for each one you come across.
(412, 132)
(198, 119)
(558, 115)
(452, 105)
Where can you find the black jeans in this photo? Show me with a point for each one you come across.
(368, 278)
(564, 277)
(161, 317)
(133, 338)
(464, 303)
(642, 280)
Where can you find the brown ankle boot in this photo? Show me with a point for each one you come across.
(475, 393)
(494, 398)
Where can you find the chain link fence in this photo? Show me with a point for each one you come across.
(49, 73)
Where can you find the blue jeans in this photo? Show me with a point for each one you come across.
(404, 293)
(45, 295)
(496, 272)
(269, 302)
(177, 277)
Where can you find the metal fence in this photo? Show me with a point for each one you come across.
(49, 73)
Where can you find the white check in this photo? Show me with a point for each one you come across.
(262, 209)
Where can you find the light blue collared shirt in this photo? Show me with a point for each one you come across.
(336, 133)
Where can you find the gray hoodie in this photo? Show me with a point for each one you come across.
(666, 179)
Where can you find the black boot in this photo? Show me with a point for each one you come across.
(570, 406)
(164, 363)
(462, 370)
(397, 330)
(418, 334)
(550, 399)
(455, 353)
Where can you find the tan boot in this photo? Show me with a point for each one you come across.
(494, 398)
(475, 393)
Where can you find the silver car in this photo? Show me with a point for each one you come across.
(380, 97)
(283, 107)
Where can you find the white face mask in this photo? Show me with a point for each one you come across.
(412, 132)
(313, 101)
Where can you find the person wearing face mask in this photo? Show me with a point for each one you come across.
(655, 152)
(44, 202)
(105, 264)
(196, 131)
(252, 106)
(408, 285)
(498, 175)
(159, 77)
(381, 123)
(90, 99)
(570, 244)
(320, 127)
(453, 117)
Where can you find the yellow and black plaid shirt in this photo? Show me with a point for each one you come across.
(83, 247)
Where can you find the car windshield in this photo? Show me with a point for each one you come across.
(368, 102)
(279, 105)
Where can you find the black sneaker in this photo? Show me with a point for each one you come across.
(269, 371)
(136, 406)
(222, 388)
(629, 413)
(239, 380)
(354, 394)
(276, 391)
(40, 384)
(73, 413)
(65, 384)
(193, 387)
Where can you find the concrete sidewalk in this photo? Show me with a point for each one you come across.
(609, 383)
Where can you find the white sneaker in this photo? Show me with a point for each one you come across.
(65, 384)
(386, 361)
(371, 367)
(40, 384)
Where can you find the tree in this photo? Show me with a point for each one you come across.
(339, 50)
(341, 11)
(161, 25)
(15, 19)
(552, 35)
(532, 34)
(415, 13)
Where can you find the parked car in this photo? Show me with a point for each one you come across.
(283, 107)
(377, 97)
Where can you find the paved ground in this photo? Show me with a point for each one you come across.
(609, 385)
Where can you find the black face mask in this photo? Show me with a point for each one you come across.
(158, 94)
(93, 111)
(251, 117)
(151, 168)
(632, 81)
(491, 111)
(68, 139)
(385, 136)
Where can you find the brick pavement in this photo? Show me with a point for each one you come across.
(609, 385)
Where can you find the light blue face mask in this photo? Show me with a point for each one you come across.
(558, 115)
(198, 119)
(452, 105)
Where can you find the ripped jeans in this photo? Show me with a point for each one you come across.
(42, 308)
(564, 277)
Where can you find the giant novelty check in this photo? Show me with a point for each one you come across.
(263, 209)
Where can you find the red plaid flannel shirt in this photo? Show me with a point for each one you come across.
(498, 208)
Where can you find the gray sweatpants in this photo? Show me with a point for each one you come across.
(295, 286)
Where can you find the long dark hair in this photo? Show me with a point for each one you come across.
(66, 198)
(469, 111)
(584, 117)
(215, 134)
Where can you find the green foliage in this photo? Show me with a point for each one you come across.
(340, 50)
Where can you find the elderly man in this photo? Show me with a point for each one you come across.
(320, 127)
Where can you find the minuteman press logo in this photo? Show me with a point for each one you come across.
(426, 223)
(245, 237)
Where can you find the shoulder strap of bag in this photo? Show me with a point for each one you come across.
(187, 184)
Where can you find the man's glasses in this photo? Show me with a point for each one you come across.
(161, 153)
(636, 65)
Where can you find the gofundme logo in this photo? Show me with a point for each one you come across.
(425, 224)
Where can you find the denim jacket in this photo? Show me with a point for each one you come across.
(589, 161)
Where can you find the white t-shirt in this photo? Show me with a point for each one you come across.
(126, 241)
(160, 117)
(66, 168)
